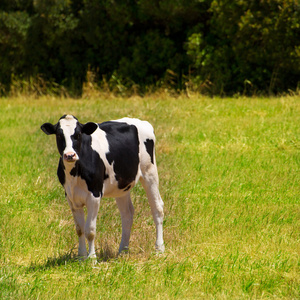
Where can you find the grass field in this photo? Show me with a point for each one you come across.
(229, 177)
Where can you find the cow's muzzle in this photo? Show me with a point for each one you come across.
(70, 157)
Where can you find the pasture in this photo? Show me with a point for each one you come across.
(229, 177)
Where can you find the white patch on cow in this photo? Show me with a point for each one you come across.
(77, 190)
(100, 145)
(68, 125)
(99, 141)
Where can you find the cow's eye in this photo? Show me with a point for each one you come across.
(76, 136)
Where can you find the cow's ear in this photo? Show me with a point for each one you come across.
(49, 128)
(89, 128)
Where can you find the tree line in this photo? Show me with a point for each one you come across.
(213, 46)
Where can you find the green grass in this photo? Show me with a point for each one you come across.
(229, 177)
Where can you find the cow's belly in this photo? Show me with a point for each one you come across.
(110, 189)
(78, 193)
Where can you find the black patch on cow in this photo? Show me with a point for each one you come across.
(128, 188)
(48, 128)
(150, 149)
(60, 172)
(77, 138)
(90, 167)
(123, 144)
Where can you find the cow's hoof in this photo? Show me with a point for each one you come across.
(124, 251)
(82, 257)
(160, 248)
(92, 259)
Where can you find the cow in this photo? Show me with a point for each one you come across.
(106, 160)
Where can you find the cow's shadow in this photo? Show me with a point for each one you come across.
(105, 254)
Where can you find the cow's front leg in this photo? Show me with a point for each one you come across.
(78, 215)
(92, 206)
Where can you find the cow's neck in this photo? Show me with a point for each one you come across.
(71, 168)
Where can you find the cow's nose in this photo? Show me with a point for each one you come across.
(70, 156)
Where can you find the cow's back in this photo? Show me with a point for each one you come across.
(121, 145)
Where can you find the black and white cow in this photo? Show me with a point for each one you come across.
(106, 160)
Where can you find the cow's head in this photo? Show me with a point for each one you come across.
(68, 133)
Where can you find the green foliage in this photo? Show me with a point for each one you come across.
(13, 30)
(222, 47)
(250, 46)
(151, 56)
(53, 48)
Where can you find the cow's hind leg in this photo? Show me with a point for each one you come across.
(126, 210)
(78, 215)
(150, 181)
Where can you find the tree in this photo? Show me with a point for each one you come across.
(249, 44)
